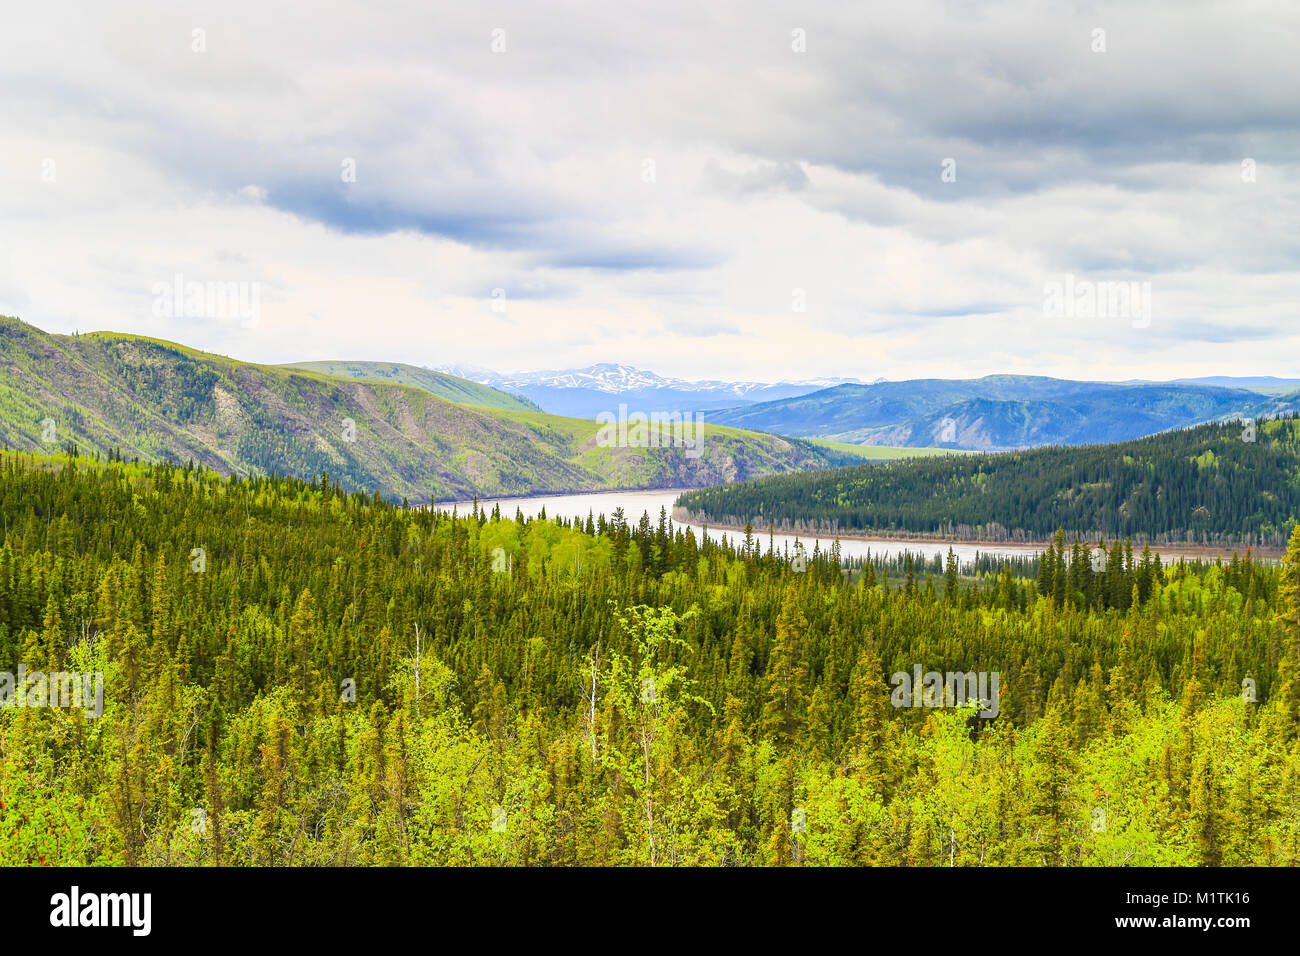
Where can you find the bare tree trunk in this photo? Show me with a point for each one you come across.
(591, 717)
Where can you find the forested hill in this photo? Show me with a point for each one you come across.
(323, 679)
(1205, 485)
(148, 399)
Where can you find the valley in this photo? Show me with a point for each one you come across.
(400, 431)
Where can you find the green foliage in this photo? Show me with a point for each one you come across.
(343, 681)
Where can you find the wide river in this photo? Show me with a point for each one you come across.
(636, 503)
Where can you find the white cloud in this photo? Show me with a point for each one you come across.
(651, 183)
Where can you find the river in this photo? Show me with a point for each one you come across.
(636, 503)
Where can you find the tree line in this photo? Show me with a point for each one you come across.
(1213, 484)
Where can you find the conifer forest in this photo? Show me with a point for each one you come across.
(294, 675)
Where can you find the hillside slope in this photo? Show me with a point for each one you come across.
(1204, 485)
(450, 387)
(152, 399)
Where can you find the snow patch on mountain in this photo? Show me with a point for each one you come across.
(616, 378)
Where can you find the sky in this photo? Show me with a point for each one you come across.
(757, 191)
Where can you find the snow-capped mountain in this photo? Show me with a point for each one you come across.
(598, 388)
(605, 377)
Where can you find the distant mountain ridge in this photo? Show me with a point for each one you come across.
(615, 377)
(993, 413)
(1002, 412)
(587, 392)
(1269, 384)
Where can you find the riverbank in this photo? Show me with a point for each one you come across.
(1030, 548)
(635, 502)
(446, 505)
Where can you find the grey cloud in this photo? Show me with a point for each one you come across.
(764, 178)
(1123, 162)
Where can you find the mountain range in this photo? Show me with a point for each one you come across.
(430, 434)
(587, 392)
(996, 412)
(1269, 384)
(397, 430)
(1002, 412)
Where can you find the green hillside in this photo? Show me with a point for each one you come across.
(884, 452)
(1203, 485)
(151, 399)
(446, 386)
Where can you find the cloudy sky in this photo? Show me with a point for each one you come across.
(752, 190)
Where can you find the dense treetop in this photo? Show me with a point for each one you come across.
(295, 675)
